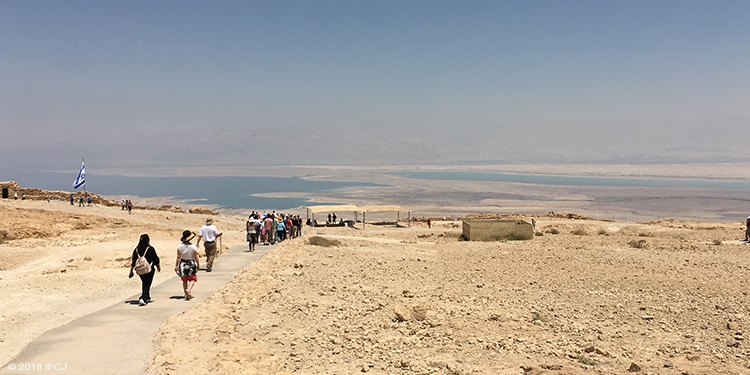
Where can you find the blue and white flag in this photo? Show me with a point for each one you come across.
(81, 179)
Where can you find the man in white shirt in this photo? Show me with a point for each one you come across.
(209, 234)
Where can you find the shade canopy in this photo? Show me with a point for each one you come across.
(380, 208)
(340, 208)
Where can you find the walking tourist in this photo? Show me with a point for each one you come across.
(145, 262)
(252, 233)
(280, 229)
(209, 234)
(187, 263)
(268, 228)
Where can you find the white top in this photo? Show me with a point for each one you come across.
(253, 223)
(187, 251)
(208, 233)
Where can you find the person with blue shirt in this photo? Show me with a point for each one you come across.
(280, 229)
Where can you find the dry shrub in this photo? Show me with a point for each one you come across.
(3, 234)
(602, 232)
(587, 360)
(553, 231)
(539, 234)
(202, 211)
(717, 242)
(579, 232)
(638, 244)
(324, 242)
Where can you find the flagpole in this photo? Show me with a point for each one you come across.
(84, 184)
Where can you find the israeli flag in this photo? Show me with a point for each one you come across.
(81, 179)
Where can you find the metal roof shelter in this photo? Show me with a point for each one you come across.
(373, 209)
(339, 207)
(361, 209)
(311, 210)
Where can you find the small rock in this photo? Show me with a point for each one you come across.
(668, 364)
(634, 367)
(403, 313)
(693, 357)
(419, 313)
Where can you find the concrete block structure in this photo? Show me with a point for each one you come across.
(495, 230)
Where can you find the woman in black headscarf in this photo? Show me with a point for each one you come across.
(145, 250)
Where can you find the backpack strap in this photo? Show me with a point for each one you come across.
(144, 253)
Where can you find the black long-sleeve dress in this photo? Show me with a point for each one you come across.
(146, 279)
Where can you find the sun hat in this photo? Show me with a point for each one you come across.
(187, 236)
(209, 221)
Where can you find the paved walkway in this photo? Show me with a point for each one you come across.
(118, 339)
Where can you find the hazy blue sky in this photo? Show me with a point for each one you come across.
(128, 84)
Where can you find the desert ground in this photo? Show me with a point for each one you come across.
(583, 296)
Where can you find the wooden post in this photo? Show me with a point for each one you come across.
(409, 214)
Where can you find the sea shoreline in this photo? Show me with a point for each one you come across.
(460, 197)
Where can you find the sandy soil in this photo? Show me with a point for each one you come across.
(584, 296)
(418, 301)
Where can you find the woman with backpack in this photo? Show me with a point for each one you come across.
(144, 261)
(187, 263)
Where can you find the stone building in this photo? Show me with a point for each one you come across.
(9, 188)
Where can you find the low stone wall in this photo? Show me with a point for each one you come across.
(494, 230)
(46, 195)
